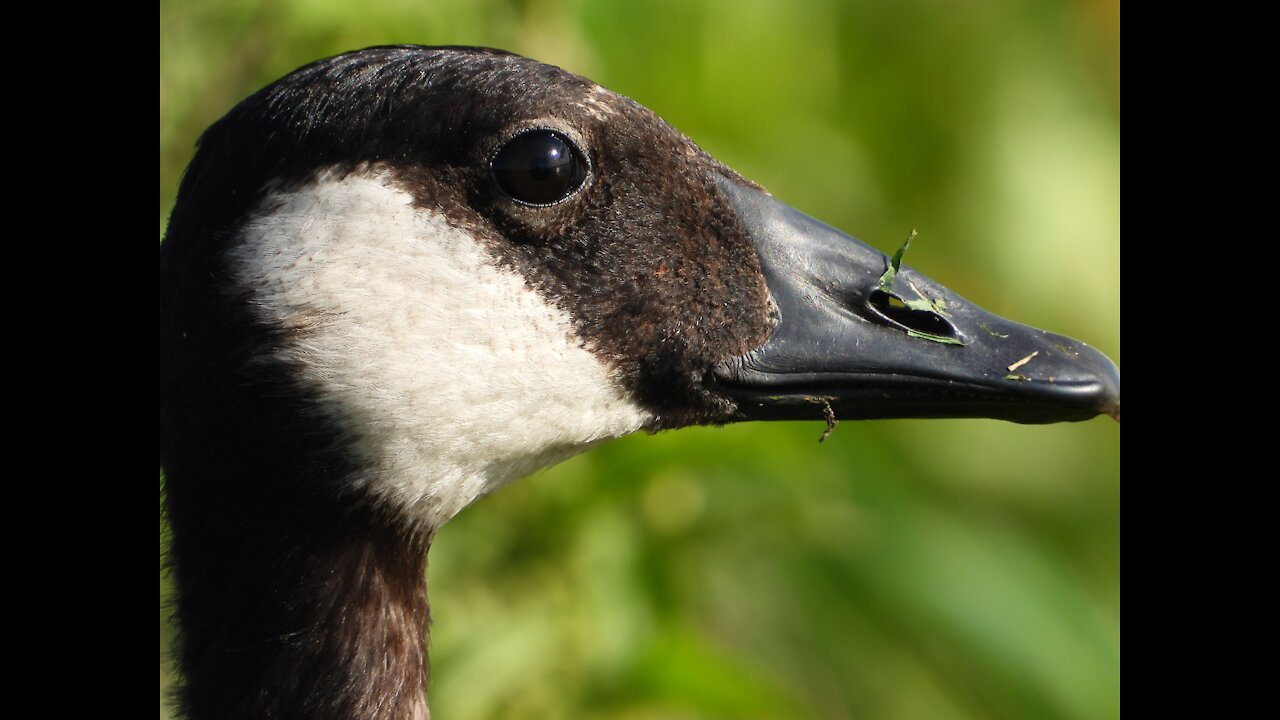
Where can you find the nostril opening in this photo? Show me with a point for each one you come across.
(910, 317)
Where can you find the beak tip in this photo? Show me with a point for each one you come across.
(1104, 376)
(1110, 404)
(1108, 375)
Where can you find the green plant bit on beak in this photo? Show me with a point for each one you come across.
(1015, 376)
(925, 303)
(935, 338)
(991, 332)
(886, 280)
(922, 303)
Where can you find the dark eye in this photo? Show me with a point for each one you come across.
(539, 167)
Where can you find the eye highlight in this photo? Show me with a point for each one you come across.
(539, 167)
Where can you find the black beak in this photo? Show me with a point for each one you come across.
(859, 342)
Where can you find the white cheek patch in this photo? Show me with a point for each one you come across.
(452, 374)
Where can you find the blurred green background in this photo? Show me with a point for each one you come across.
(946, 569)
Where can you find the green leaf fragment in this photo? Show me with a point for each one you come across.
(935, 338)
(886, 280)
(926, 304)
(922, 303)
(991, 332)
(1016, 376)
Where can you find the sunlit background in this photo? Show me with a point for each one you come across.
(944, 569)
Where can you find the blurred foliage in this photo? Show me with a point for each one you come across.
(948, 569)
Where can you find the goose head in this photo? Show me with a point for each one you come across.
(399, 278)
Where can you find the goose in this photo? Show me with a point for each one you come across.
(400, 278)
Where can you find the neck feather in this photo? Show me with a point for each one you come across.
(334, 625)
